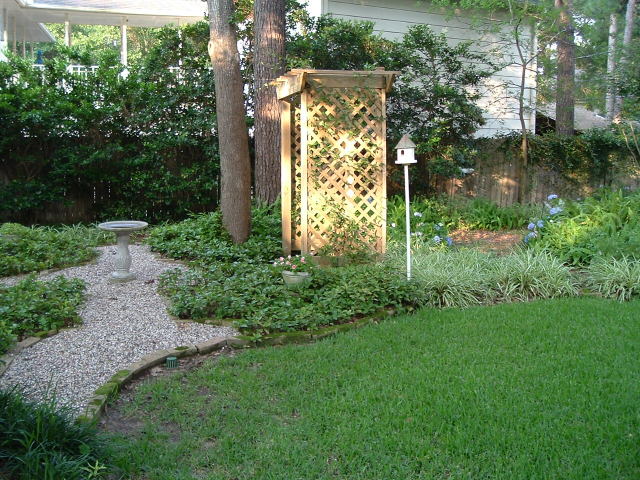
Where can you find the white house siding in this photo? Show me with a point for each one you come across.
(499, 93)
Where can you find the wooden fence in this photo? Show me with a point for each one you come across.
(496, 178)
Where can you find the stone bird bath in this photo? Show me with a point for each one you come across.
(122, 229)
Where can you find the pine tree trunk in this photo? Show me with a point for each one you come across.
(611, 67)
(235, 164)
(565, 99)
(268, 64)
(626, 42)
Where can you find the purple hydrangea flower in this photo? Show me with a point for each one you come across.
(553, 196)
(531, 226)
(449, 241)
(540, 224)
(437, 239)
(554, 210)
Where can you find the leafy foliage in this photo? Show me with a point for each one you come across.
(140, 145)
(437, 216)
(605, 225)
(42, 440)
(432, 97)
(33, 306)
(203, 237)
(29, 249)
(590, 159)
(253, 295)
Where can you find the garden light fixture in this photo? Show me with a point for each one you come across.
(406, 156)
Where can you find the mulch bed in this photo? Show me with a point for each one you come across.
(501, 242)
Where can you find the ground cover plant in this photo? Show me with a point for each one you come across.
(546, 389)
(253, 296)
(29, 249)
(32, 306)
(42, 441)
(203, 238)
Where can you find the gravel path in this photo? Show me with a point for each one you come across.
(122, 323)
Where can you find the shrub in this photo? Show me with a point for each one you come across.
(29, 249)
(615, 278)
(32, 306)
(42, 441)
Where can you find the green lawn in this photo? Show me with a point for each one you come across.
(549, 390)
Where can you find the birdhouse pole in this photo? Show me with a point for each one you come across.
(406, 156)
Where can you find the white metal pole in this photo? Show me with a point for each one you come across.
(407, 219)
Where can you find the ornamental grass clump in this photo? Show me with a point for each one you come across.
(615, 278)
(527, 275)
(42, 441)
(450, 278)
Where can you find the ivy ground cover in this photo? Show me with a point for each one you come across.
(546, 389)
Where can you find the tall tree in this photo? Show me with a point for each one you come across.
(629, 20)
(565, 86)
(611, 67)
(268, 64)
(235, 164)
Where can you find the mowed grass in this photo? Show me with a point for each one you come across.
(549, 389)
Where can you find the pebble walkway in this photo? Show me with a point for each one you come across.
(121, 324)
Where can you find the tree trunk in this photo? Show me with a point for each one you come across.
(235, 164)
(626, 42)
(611, 67)
(565, 98)
(523, 175)
(268, 64)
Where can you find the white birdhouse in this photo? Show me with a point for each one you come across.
(406, 151)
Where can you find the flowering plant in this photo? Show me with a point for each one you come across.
(298, 263)
(554, 205)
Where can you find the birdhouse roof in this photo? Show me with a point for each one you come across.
(405, 142)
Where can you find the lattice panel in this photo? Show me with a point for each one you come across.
(296, 175)
(345, 166)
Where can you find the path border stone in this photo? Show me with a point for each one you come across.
(109, 390)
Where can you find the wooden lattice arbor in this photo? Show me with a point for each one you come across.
(333, 159)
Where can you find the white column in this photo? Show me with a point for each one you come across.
(67, 32)
(15, 35)
(124, 50)
(4, 39)
(24, 41)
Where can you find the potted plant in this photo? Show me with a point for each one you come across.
(295, 270)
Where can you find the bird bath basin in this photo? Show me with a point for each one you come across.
(122, 229)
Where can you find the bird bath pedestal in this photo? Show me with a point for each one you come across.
(122, 229)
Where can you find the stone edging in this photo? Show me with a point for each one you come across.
(7, 358)
(110, 389)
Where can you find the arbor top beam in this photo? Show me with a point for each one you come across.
(296, 80)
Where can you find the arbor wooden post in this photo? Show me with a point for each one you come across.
(333, 148)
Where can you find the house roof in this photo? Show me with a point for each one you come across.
(584, 118)
(30, 15)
